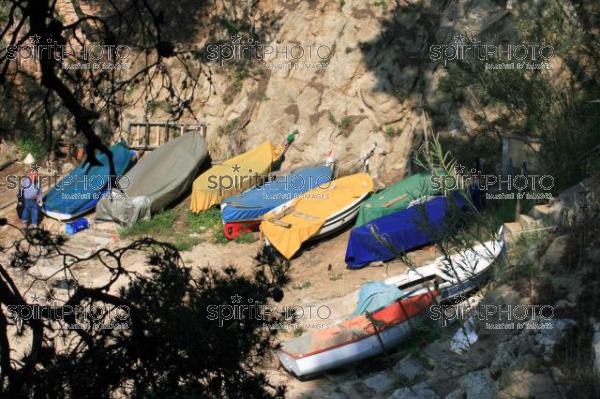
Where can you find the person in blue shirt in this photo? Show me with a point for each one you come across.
(32, 195)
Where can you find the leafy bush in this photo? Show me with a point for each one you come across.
(204, 220)
(30, 144)
(160, 224)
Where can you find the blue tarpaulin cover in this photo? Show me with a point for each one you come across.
(375, 295)
(400, 232)
(80, 190)
(255, 202)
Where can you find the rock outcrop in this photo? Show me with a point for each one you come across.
(363, 79)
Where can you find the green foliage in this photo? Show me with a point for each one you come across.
(236, 86)
(232, 28)
(245, 238)
(230, 127)
(166, 352)
(554, 107)
(345, 122)
(160, 224)
(186, 243)
(391, 132)
(219, 237)
(331, 118)
(204, 220)
(34, 145)
(380, 3)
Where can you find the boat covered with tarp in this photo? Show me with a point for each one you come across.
(389, 236)
(158, 179)
(234, 175)
(315, 214)
(397, 197)
(244, 211)
(79, 191)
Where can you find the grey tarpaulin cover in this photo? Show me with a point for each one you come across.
(157, 180)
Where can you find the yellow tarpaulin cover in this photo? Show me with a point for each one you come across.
(308, 212)
(233, 176)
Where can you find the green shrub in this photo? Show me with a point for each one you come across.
(204, 220)
(30, 144)
(160, 224)
(185, 243)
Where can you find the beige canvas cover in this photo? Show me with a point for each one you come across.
(156, 181)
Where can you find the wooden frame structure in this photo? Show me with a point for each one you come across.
(148, 135)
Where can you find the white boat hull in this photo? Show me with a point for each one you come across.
(346, 354)
(470, 270)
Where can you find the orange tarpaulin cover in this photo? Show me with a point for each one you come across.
(310, 211)
(233, 176)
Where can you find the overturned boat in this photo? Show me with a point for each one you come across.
(459, 274)
(234, 176)
(243, 212)
(385, 310)
(315, 214)
(79, 191)
(397, 197)
(155, 182)
(389, 236)
(357, 337)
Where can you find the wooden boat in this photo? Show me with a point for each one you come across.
(354, 338)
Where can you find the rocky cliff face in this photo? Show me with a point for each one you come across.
(365, 89)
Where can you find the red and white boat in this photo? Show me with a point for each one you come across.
(356, 338)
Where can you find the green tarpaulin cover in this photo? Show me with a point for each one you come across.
(395, 197)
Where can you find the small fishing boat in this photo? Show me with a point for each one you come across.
(396, 197)
(464, 272)
(158, 179)
(243, 212)
(357, 337)
(79, 191)
(387, 237)
(234, 176)
(315, 214)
